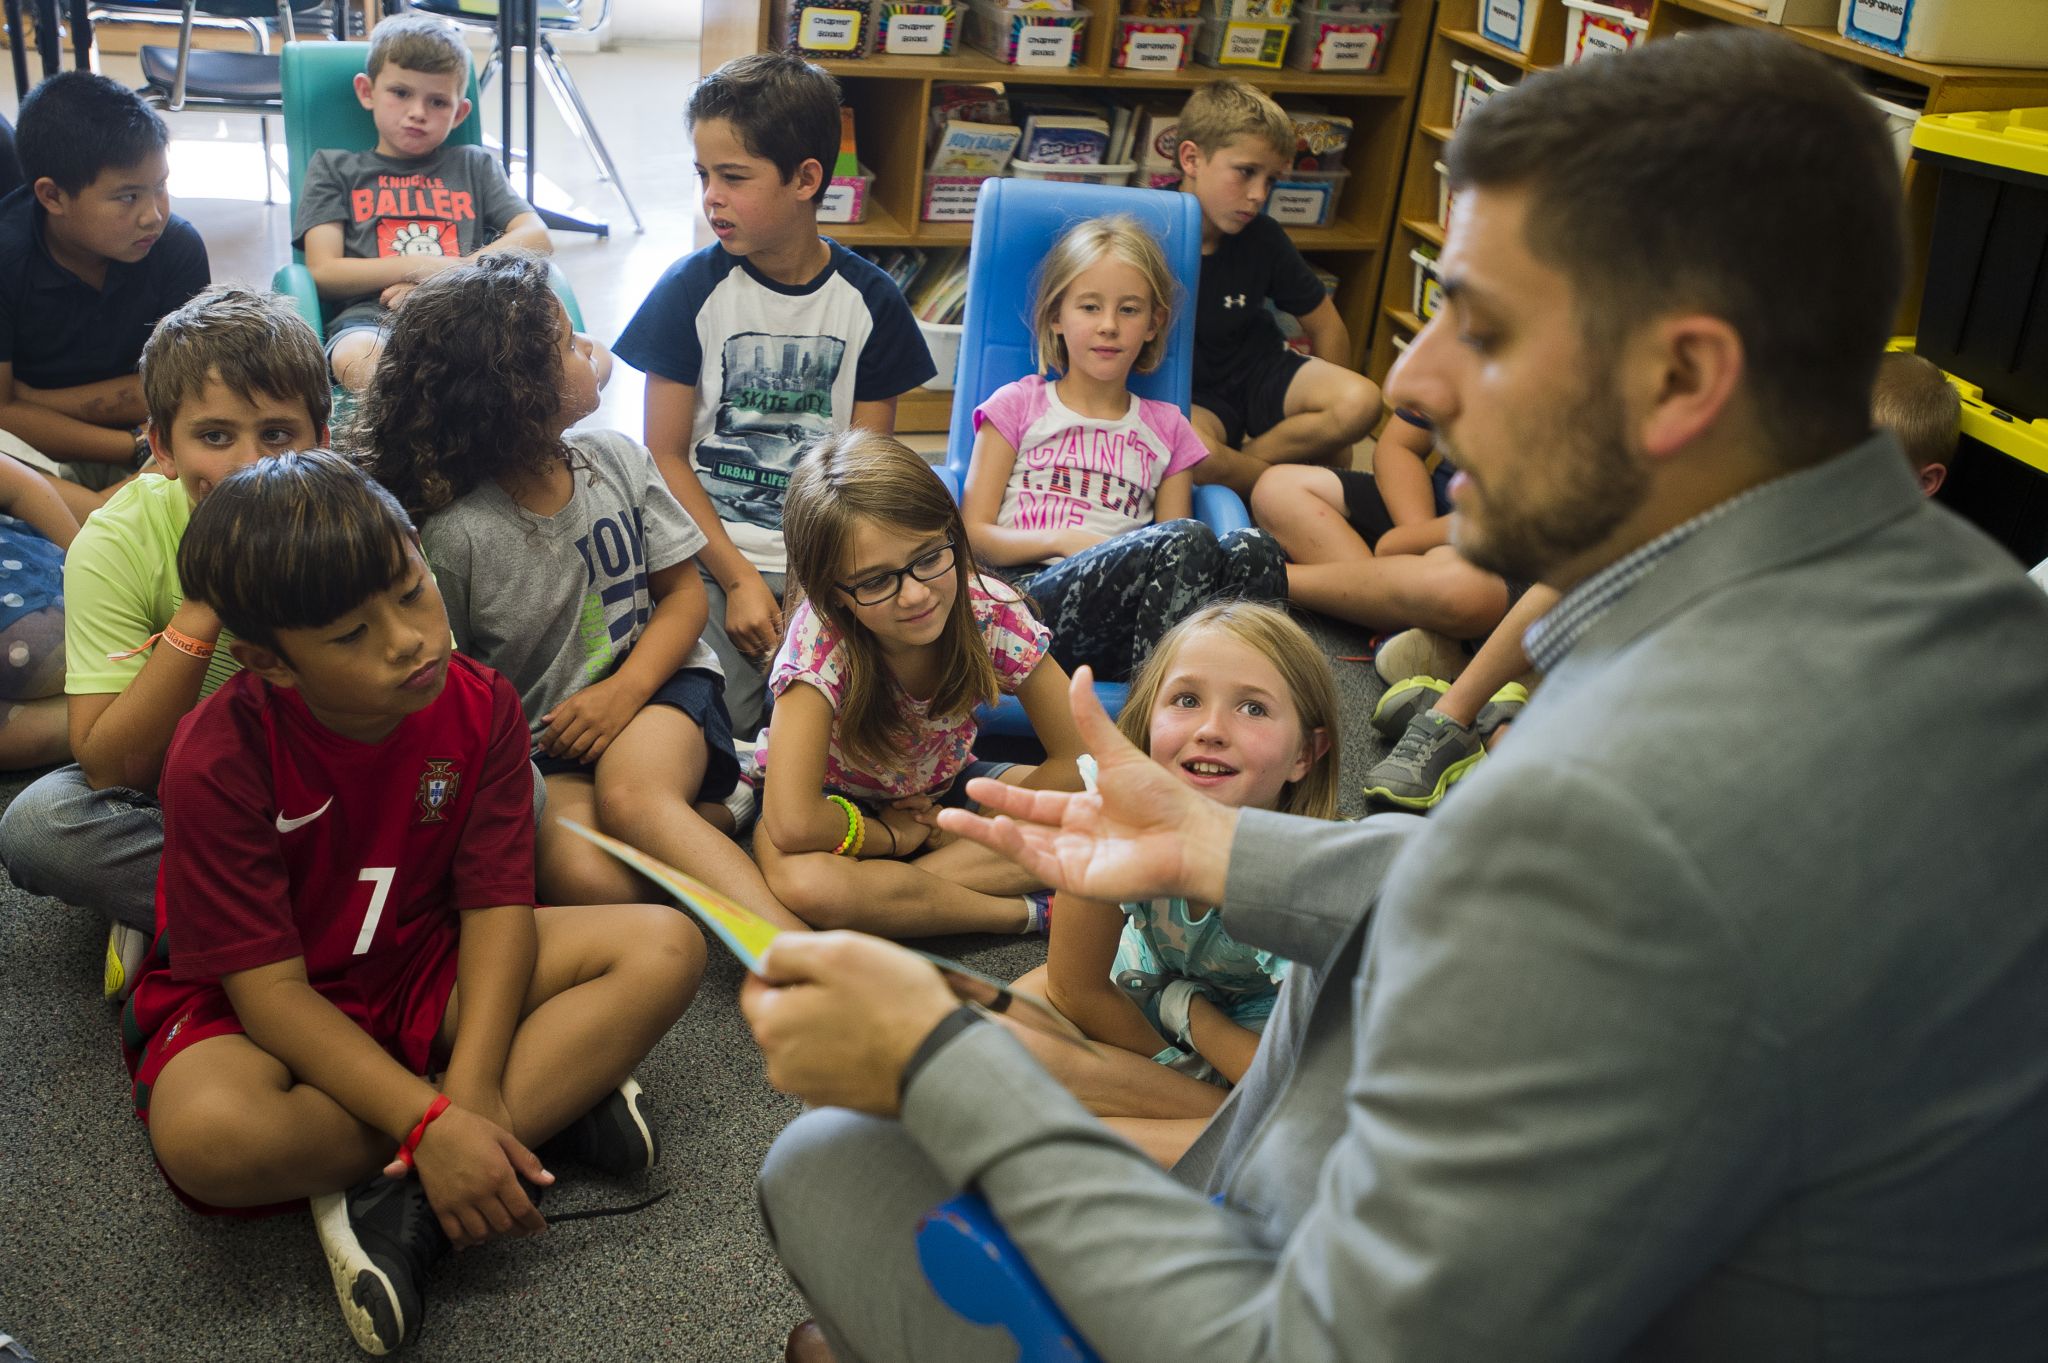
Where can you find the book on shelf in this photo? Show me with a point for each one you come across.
(1123, 121)
(969, 104)
(900, 263)
(939, 292)
(1064, 140)
(963, 148)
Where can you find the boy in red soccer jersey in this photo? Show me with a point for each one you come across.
(346, 905)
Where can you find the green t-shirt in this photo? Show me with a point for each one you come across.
(121, 586)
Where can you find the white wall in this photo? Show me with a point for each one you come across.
(657, 20)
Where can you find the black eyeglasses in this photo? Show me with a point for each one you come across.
(873, 591)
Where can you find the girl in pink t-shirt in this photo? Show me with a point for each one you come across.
(896, 642)
(1083, 490)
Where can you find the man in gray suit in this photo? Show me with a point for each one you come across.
(1709, 1020)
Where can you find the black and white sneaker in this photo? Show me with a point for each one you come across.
(381, 1239)
(615, 1137)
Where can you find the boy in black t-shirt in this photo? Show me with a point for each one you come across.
(1258, 403)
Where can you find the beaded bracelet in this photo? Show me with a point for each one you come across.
(856, 828)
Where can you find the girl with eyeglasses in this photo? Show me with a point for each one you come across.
(897, 640)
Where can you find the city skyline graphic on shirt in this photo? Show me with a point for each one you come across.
(775, 395)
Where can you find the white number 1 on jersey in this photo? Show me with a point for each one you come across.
(381, 876)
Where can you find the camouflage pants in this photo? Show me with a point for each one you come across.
(1108, 606)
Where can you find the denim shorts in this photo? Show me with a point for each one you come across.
(699, 693)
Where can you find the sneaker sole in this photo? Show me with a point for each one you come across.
(1398, 696)
(630, 1090)
(1443, 785)
(369, 1305)
(117, 980)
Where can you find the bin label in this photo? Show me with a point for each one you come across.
(829, 30)
(1154, 51)
(1249, 44)
(951, 200)
(1598, 37)
(1882, 20)
(1298, 205)
(917, 34)
(1045, 45)
(840, 202)
(1348, 51)
(1504, 20)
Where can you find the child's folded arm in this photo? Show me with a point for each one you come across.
(340, 275)
(56, 432)
(115, 402)
(794, 812)
(585, 724)
(1044, 697)
(1328, 337)
(1219, 1040)
(526, 232)
(120, 738)
(493, 966)
(1079, 959)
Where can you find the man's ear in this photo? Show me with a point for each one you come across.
(265, 663)
(364, 88)
(1694, 366)
(1932, 476)
(53, 199)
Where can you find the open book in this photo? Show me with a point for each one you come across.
(747, 934)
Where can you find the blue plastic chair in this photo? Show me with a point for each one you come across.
(320, 110)
(1015, 220)
(974, 1269)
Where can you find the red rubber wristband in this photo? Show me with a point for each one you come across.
(412, 1142)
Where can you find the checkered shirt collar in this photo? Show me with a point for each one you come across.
(1559, 631)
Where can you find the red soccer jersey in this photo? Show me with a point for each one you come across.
(283, 838)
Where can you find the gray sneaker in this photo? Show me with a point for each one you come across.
(1434, 752)
(1403, 701)
(13, 1350)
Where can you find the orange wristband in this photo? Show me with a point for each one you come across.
(412, 1142)
(176, 638)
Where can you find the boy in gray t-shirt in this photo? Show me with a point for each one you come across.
(375, 223)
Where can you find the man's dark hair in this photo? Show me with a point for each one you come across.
(783, 109)
(292, 542)
(1730, 173)
(76, 124)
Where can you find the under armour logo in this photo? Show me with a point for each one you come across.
(1233, 300)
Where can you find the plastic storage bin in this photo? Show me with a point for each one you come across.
(1511, 23)
(1153, 44)
(1306, 198)
(1901, 119)
(1963, 32)
(951, 198)
(1021, 36)
(1353, 41)
(846, 198)
(1592, 29)
(1984, 308)
(1163, 9)
(1247, 9)
(1118, 174)
(916, 28)
(1471, 86)
(1999, 475)
(1244, 42)
(943, 340)
(826, 28)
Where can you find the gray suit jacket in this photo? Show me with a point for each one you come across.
(1707, 1020)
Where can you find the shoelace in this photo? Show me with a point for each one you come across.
(624, 1209)
(1416, 740)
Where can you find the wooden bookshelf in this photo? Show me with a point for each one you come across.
(890, 95)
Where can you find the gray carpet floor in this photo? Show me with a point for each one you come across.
(99, 1262)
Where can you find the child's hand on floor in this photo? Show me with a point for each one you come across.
(584, 725)
(469, 1168)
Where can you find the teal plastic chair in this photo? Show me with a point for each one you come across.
(321, 110)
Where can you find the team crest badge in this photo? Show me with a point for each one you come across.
(438, 784)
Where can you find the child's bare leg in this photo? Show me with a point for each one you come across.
(1225, 465)
(1303, 506)
(885, 897)
(1163, 1140)
(568, 868)
(647, 784)
(608, 981)
(34, 733)
(1438, 590)
(83, 501)
(354, 358)
(1499, 660)
(1328, 409)
(232, 1128)
(1114, 1082)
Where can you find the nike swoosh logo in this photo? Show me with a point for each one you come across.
(285, 825)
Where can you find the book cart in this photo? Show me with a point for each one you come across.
(891, 94)
(1459, 46)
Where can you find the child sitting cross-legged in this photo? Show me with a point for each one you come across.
(351, 998)
(1082, 490)
(568, 566)
(897, 641)
(1238, 702)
